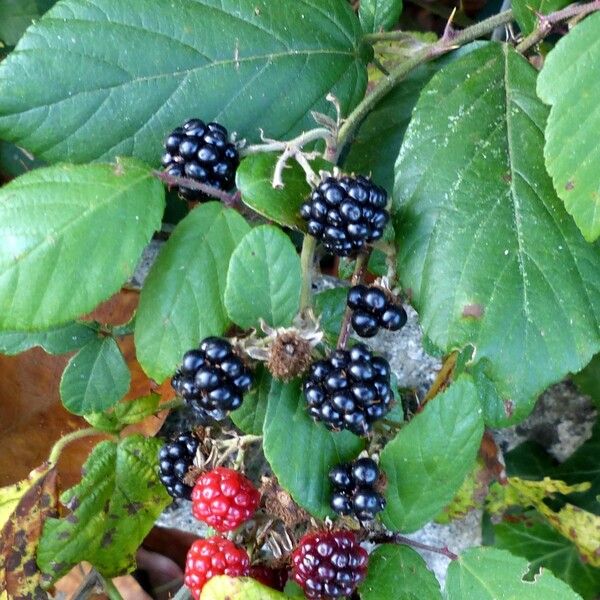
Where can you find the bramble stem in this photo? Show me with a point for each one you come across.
(545, 23)
(395, 538)
(307, 259)
(171, 404)
(359, 271)
(183, 593)
(192, 184)
(442, 379)
(111, 589)
(320, 133)
(65, 440)
(449, 41)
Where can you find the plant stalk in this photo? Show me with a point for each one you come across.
(64, 441)
(442, 379)
(307, 259)
(395, 538)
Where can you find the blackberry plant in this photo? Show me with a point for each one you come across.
(345, 155)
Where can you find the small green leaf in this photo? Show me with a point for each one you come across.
(70, 237)
(96, 378)
(304, 476)
(223, 587)
(378, 15)
(112, 510)
(425, 471)
(544, 547)
(58, 340)
(491, 574)
(488, 233)
(250, 417)
(263, 281)
(526, 11)
(330, 306)
(398, 573)
(125, 413)
(254, 179)
(135, 74)
(572, 150)
(588, 380)
(182, 300)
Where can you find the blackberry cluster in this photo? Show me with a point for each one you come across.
(212, 379)
(371, 309)
(174, 460)
(345, 214)
(203, 153)
(354, 489)
(349, 390)
(329, 564)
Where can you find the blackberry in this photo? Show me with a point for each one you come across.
(174, 460)
(329, 564)
(372, 309)
(212, 379)
(203, 153)
(346, 213)
(349, 390)
(354, 491)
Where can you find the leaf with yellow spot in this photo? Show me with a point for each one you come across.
(30, 503)
(579, 526)
(238, 588)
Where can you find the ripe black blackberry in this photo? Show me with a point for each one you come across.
(372, 309)
(203, 153)
(346, 213)
(329, 564)
(354, 489)
(349, 390)
(212, 379)
(174, 461)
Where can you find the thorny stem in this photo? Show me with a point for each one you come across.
(395, 538)
(171, 181)
(442, 379)
(65, 440)
(449, 41)
(307, 259)
(359, 271)
(546, 22)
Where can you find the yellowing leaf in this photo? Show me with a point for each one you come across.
(20, 534)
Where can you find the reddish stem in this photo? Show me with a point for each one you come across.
(389, 537)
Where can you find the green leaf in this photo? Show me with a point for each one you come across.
(96, 79)
(379, 137)
(58, 340)
(588, 380)
(182, 300)
(96, 378)
(583, 465)
(250, 417)
(378, 15)
(16, 16)
(125, 413)
(398, 573)
(70, 237)
(491, 574)
(571, 149)
(526, 11)
(264, 279)
(330, 306)
(544, 547)
(112, 510)
(254, 179)
(488, 232)
(304, 476)
(425, 471)
(223, 587)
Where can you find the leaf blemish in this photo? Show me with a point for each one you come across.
(569, 185)
(474, 311)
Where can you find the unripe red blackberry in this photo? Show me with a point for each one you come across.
(329, 564)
